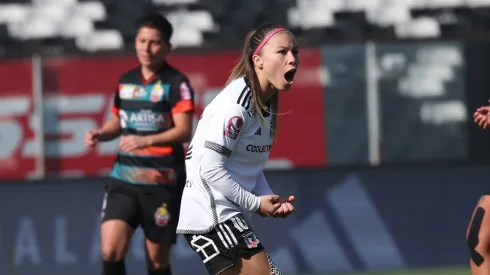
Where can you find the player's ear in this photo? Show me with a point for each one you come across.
(258, 61)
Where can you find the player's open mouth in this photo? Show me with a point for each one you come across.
(289, 76)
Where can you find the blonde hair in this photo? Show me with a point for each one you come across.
(245, 68)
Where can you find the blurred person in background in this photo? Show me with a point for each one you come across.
(153, 111)
(227, 156)
(478, 233)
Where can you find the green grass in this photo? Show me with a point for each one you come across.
(442, 271)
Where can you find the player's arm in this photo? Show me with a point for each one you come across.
(262, 187)
(111, 128)
(225, 130)
(182, 101)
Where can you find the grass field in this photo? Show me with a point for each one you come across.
(444, 271)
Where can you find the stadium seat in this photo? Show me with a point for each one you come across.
(444, 3)
(57, 2)
(198, 22)
(423, 27)
(477, 3)
(34, 28)
(52, 11)
(76, 26)
(173, 2)
(12, 13)
(389, 15)
(101, 40)
(93, 10)
(189, 37)
(308, 18)
(362, 5)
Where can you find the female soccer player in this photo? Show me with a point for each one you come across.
(478, 233)
(225, 182)
(153, 110)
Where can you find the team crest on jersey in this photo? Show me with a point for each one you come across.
(131, 91)
(233, 127)
(138, 92)
(251, 240)
(157, 92)
(162, 216)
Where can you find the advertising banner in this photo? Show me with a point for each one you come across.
(78, 95)
(344, 221)
(17, 138)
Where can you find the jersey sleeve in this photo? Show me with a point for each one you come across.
(262, 187)
(117, 102)
(181, 97)
(224, 131)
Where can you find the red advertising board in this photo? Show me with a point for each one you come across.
(78, 94)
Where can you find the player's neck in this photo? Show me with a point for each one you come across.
(267, 90)
(148, 71)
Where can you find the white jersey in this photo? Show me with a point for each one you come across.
(224, 162)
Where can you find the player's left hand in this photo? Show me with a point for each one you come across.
(286, 208)
(132, 142)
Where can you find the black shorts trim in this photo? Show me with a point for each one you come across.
(221, 247)
(155, 208)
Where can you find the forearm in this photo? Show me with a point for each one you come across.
(171, 136)
(262, 186)
(110, 130)
(220, 180)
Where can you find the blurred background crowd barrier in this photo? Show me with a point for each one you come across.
(352, 220)
(352, 104)
(376, 138)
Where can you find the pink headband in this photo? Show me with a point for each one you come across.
(271, 34)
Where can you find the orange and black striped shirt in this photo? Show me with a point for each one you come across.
(147, 107)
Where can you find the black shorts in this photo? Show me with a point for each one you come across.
(155, 207)
(220, 248)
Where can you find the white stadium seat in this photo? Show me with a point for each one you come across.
(75, 19)
(101, 40)
(310, 18)
(76, 26)
(389, 15)
(57, 2)
(53, 12)
(94, 10)
(186, 37)
(174, 2)
(34, 28)
(11, 13)
(424, 27)
(200, 20)
(478, 3)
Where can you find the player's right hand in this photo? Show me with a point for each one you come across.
(91, 138)
(268, 205)
(482, 116)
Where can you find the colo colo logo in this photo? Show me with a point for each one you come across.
(258, 148)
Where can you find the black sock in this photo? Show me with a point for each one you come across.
(165, 271)
(114, 268)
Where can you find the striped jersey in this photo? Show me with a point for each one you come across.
(147, 107)
(224, 163)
